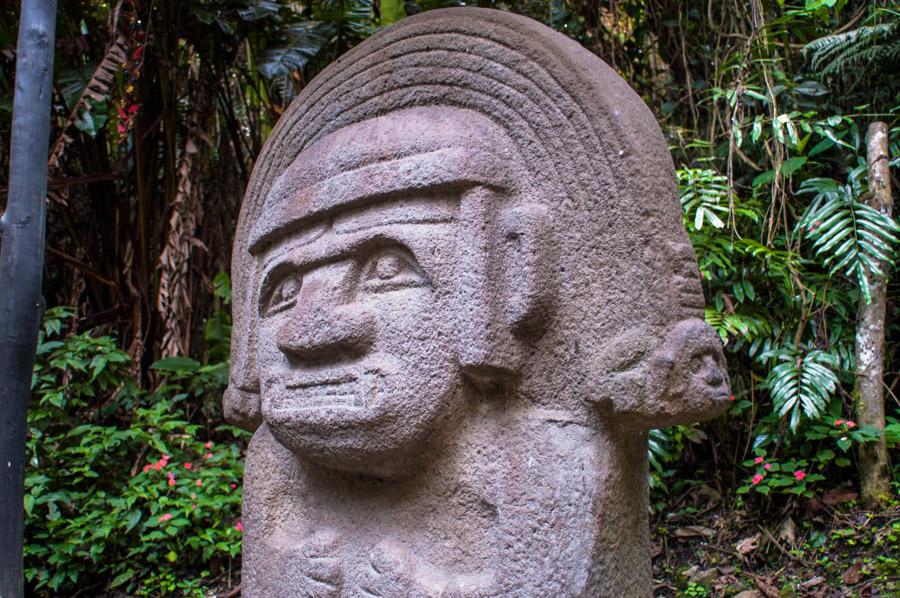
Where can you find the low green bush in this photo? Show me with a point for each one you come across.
(122, 489)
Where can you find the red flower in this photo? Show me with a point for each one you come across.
(758, 460)
(731, 398)
(187, 465)
(164, 517)
(232, 486)
(799, 474)
(208, 444)
(239, 526)
(838, 422)
(199, 482)
(147, 467)
(851, 423)
(757, 479)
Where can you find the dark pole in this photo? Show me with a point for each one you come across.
(21, 265)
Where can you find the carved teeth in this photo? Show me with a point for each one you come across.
(312, 395)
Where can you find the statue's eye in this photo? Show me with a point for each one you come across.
(391, 269)
(279, 291)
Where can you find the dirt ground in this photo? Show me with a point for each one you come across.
(822, 547)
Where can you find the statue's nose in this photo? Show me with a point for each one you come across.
(712, 372)
(327, 334)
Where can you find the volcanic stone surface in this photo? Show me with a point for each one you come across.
(463, 295)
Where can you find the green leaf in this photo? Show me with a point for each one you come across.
(121, 578)
(176, 364)
(392, 11)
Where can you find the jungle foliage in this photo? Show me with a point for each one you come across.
(160, 109)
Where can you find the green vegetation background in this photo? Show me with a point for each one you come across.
(161, 107)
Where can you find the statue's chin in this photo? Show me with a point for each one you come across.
(362, 440)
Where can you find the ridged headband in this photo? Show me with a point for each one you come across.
(574, 121)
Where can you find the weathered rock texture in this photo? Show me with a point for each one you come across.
(462, 296)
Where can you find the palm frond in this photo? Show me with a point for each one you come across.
(801, 384)
(850, 237)
(703, 195)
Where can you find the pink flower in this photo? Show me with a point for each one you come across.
(199, 482)
(208, 456)
(767, 466)
(165, 458)
(758, 460)
(164, 517)
(239, 526)
(799, 474)
(188, 465)
(232, 486)
(147, 467)
(838, 422)
(851, 423)
(193, 507)
(171, 479)
(757, 479)
(208, 444)
(731, 398)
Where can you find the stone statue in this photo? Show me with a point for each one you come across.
(463, 295)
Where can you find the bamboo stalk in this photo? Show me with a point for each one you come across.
(21, 265)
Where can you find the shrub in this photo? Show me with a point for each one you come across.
(122, 489)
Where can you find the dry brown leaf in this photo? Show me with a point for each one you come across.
(853, 574)
(97, 89)
(838, 496)
(765, 586)
(694, 531)
(812, 582)
(748, 545)
(788, 531)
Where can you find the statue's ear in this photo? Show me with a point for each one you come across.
(507, 284)
(529, 268)
(241, 403)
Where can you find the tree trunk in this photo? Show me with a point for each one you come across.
(21, 265)
(873, 459)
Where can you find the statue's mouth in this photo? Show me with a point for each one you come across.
(336, 393)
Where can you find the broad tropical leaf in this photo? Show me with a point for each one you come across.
(303, 42)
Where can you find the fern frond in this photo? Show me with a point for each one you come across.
(865, 48)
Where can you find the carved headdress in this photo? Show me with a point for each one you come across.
(594, 150)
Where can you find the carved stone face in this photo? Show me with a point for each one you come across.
(691, 365)
(359, 305)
